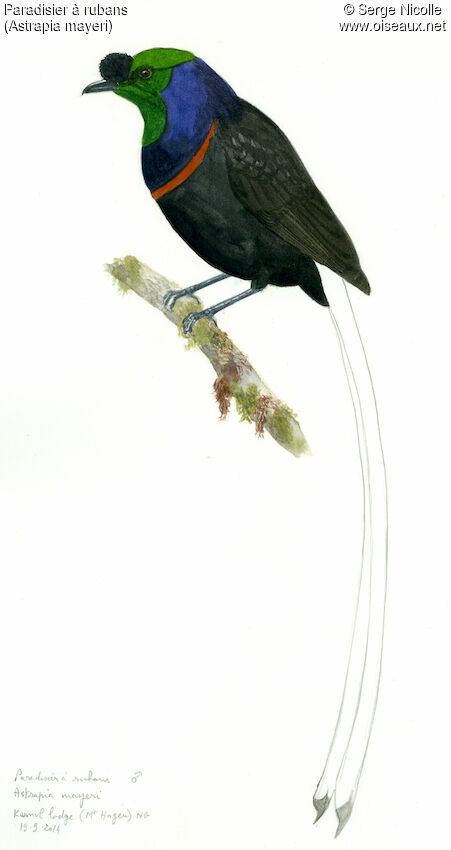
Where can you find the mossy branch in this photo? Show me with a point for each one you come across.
(237, 378)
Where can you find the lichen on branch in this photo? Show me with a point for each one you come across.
(236, 377)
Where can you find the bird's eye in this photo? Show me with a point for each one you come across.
(145, 73)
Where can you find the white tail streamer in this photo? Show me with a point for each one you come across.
(348, 748)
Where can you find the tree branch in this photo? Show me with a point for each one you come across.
(237, 378)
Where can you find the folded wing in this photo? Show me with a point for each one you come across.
(270, 180)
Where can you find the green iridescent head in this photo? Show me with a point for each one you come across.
(140, 79)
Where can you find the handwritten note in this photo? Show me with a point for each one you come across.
(55, 802)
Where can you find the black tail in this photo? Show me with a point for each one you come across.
(311, 283)
(358, 279)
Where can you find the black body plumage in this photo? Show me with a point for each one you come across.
(252, 210)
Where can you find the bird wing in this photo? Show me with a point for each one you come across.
(269, 179)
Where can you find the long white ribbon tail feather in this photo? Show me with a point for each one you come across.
(349, 745)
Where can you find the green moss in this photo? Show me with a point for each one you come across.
(204, 333)
(246, 401)
(121, 286)
(282, 427)
(184, 306)
(279, 420)
(124, 271)
(181, 309)
(287, 409)
(132, 266)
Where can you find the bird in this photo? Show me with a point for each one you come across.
(231, 184)
(228, 180)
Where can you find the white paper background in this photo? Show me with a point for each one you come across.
(177, 595)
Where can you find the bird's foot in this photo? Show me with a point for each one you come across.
(171, 297)
(190, 320)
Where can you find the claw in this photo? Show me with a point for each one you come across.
(190, 320)
(171, 297)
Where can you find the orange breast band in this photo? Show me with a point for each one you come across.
(189, 169)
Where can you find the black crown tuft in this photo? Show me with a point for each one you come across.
(115, 67)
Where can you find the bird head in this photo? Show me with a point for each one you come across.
(140, 77)
(167, 85)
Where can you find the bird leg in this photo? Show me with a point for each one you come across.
(190, 320)
(174, 294)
